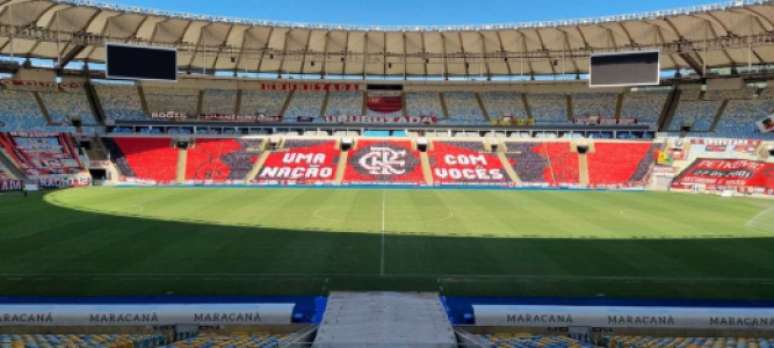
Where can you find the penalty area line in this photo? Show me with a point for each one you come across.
(754, 220)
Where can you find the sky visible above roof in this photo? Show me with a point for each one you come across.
(410, 12)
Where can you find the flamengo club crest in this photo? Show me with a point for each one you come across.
(384, 161)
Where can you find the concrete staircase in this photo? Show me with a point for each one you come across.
(10, 165)
(341, 167)
(427, 171)
(257, 166)
(385, 319)
(508, 168)
(182, 160)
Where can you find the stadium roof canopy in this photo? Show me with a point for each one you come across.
(723, 35)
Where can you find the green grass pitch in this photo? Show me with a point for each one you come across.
(247, 241)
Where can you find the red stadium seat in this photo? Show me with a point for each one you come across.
(206, 159)
(465, 163)
(549, 163)
(619, 163)
(384, 161)
(152, 159)
(302, 161)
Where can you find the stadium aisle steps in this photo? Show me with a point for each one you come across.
(583, 169)
(182, 159)
(563, 163)
(258, 165)
(10, 165)
(508, 168)
(394, 319)
(426, 170)
(341, 168)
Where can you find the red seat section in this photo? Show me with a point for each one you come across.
(301, 162)
(618, 163)
(41, 155)
(549, 163)
(564, 164)
(220, 160)
(384, 161)
(465, 162)
(528, 160)
(151, 159)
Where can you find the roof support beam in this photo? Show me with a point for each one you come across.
(464, 55)
(483, 56)
(196, 47)
(544, 49)
(241, 51)
(567, 47)
(306, 51)
(69, 56)
(755, 14)
(264, 49)
(284, 53)
(583, 37)
(628, 35)
(405, 56)
(524, 53)
(324, 62)
(179, 40)
(9, 4)
(345, 54)
(714, 19)
(384, 54)
(695, 63)
(610, 36)
(503, 52)
(426, 60)
(673, 27)
(156, 29)
(709, 20)
(660, 37)
(223, 45)
(101, 32)
(55, 16)
(445, 57)
(137, 29)
(365, 54)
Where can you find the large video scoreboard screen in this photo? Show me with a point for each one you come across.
(625, 69)
(141, 62)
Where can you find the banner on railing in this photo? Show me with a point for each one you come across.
(625, 317)
(146, 315)
(719, 174)
(64, 181)
(381, 119)
(385, 104)
(39, 85)
(7, 185)
(181, 116)
(309, 86)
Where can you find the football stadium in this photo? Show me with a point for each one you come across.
(187, 180)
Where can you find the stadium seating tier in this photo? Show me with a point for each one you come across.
(147, 159)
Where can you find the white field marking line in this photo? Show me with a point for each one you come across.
(394, 275)
(381, 265)
(764, 212)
